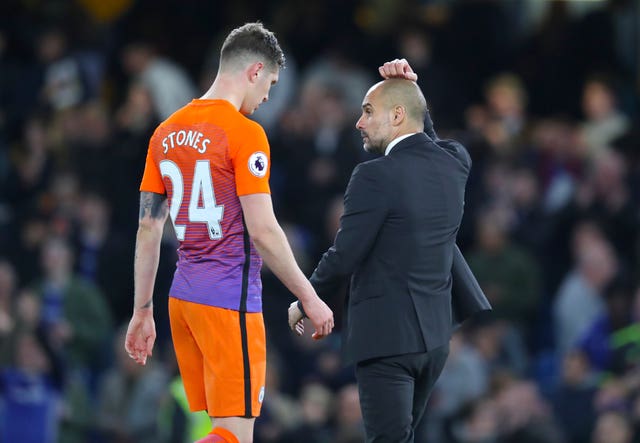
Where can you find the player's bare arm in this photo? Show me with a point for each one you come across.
(154, 206)
(272, 244)
(141, 334)
(153, 214)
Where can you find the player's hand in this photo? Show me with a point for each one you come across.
(296, 318)
(320, 315)
(398, 68)
(141, 336)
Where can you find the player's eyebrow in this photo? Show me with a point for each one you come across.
(366, 106)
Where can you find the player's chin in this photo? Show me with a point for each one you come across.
(248, 111)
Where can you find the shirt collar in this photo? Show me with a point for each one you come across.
(395, 141)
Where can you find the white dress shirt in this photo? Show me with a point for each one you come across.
(395, 141)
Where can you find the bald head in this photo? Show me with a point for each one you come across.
(406, 93)
(391, 108)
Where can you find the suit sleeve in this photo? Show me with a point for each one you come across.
(467, 297)
(365, 209)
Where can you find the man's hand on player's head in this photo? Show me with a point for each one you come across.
(398, 68)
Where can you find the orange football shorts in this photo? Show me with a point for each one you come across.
(222, 358)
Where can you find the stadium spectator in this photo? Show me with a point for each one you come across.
(169, 86)
(598, 342)
(613, 427)
(347, 415)
(30, 390)
(8, 313)
(124, 394)
(604, 121)
(507, 273)
(316, 403)
(573, 397)
(579, 299)
(74, 313)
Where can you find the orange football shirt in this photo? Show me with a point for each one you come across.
(203, 158)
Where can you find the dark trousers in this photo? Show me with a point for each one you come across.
(394, 393)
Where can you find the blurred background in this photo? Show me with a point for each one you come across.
(544, 95)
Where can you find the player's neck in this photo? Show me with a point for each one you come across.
(226, 88)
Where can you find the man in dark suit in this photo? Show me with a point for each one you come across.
(397, 238)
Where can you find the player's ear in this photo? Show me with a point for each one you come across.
(254, 70)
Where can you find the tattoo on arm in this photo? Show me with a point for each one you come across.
(153, 205)
(147, 304)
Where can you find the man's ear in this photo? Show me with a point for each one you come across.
(254, 70)
(399, 115)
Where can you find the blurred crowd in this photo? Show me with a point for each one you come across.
(544, 95)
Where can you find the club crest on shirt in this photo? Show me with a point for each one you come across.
(258, 163)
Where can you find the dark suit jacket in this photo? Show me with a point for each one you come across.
(397, 241)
